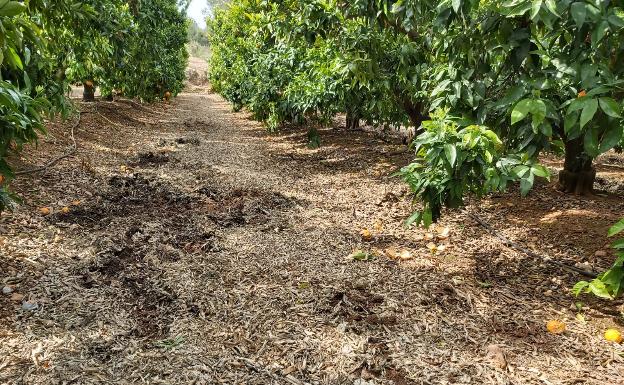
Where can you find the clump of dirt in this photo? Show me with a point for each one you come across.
(192, 140)
(151, 159)
(241, 207)
(360, 305)
(152, 303)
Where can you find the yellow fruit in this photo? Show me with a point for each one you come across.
(613, 335)
(45, 211)
(366, 234)
(556, 326)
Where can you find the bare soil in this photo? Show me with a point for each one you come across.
(204, 250)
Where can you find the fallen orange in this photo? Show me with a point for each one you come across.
(366, 234)
(45, 211)
(556, 326)
(613, 335)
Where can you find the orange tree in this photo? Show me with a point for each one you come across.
(136, 46)
(523, 77)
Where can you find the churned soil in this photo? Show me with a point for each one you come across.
(186, 245)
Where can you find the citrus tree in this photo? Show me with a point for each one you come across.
(536, 75)
(135, 46)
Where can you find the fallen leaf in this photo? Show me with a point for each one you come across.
(392, 253)
(497, 357)
(378, 226)
(405, 255)
(366, 234)
(443, 232)
(65, 210)
(76, 203)
(45, 211)
(432, 247)
(359, 255)
(17, 297)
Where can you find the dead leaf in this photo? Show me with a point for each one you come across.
(406, 255)
(392, 253)
(45, 211)
(17, 297)
(366, 234)
(443, 232)
(497, 357)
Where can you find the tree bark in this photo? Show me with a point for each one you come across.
(578, 174)
(88, 95)
(353, 121)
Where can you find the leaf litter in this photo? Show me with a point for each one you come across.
(226, 263)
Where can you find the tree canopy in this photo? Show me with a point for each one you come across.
(489, 86)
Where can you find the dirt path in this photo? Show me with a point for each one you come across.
(205, 251)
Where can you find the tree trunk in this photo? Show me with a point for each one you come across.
(353, 121)
(88, 95)
(578, 174)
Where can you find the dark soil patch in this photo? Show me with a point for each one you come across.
(147, 159)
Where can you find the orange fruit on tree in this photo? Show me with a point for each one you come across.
(556, 326)
(582, 94)
(613, 335)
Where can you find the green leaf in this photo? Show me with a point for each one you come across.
(451, 153)
(415, 218)
(520, 111)
(617, 228)
(12, 8)
(570, 121)
(579, 13)
(535, 8)
(619, 244)
(610, 107)
(541, 171)
(457, 5)
(552, 7)
(360, 256)
(591, 142)
(599, 289)
(611, 138)
(427, 217)
(526, 185)
(588, 112)
(580, 288)
(600, 32)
